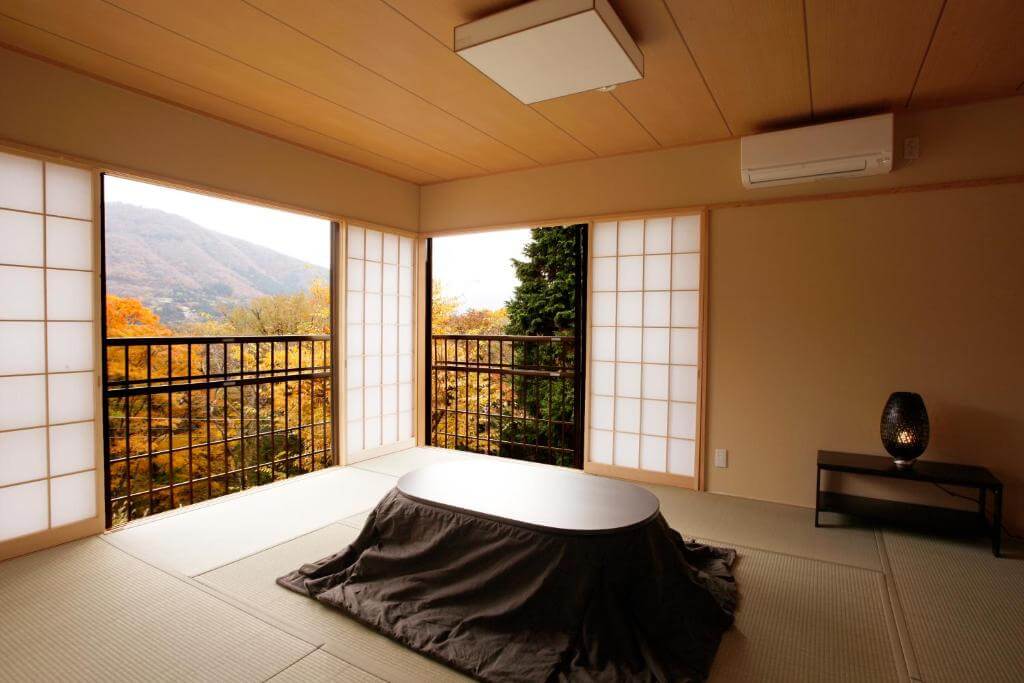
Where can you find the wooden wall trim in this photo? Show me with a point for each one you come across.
(587, 353)
(187, 185)
(378, 451)
(339, 301)
(422, 329)
(645, 476)
(702, 354)
(715, 206)
(23, 545)
(154, 178)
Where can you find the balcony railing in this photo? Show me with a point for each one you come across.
(192, 418)
(511, 396)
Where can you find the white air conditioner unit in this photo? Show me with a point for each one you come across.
(843, 149)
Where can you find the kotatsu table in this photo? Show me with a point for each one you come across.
(516, 572)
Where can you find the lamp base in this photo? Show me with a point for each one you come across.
(903, 464)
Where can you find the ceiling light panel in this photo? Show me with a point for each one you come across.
(551, 48)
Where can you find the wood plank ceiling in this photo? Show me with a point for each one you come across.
(375, 82)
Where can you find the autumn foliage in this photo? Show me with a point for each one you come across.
(130, 318)
(197, 444)
(448, 320)
(521, 416)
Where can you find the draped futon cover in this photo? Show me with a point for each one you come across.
(501, 601)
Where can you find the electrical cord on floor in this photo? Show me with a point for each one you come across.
(974, 500)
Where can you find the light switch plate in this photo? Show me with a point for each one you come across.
(721, 457)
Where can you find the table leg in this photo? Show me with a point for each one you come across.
(997, 521)
(817, 497)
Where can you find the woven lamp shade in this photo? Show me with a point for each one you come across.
(905, 428)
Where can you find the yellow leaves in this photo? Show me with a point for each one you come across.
(299, 313)
(446, 319)
(442, 308)
(476, 321)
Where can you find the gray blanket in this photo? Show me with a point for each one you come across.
(503, 602)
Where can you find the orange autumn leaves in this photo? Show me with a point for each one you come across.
(129, 318)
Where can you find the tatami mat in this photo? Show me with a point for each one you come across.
(86, 611)
(786, 628)
(321, 667)
(251, 581)
(803, 620)
(358, 520)
(212, 535)
(767, 526)
(397, 464)
(964, 608)
(815, 604)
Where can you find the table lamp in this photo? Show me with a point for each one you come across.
(905, 428)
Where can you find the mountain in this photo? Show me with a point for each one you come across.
(180, 269)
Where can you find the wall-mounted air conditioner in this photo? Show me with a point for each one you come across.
(843, 149)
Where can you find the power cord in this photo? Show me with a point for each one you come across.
(974, 500)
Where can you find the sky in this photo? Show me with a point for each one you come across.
(477, 268)
(303, 237)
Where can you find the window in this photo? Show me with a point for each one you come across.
(218, 349)
(645, 306)
(47, 341)
(379, 341)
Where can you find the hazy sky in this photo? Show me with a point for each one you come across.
(478, 268)
(303, 237)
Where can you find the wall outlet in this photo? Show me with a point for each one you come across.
(721, 457)
(911, 148)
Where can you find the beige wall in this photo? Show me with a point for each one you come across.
(977, 141)
(56, 109)
(818, 310)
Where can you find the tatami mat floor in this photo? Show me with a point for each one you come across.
(190, 595)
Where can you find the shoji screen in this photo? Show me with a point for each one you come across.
(645, 304)
(48, 476)
(379, 342)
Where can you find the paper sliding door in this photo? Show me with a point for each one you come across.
(379, 367)
(645, 349)
(49, 479)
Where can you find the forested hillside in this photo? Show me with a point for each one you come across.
(181, 270)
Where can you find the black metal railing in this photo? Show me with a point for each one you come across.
(193, 418)
(512, 396)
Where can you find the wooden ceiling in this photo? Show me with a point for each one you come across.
(375, 82)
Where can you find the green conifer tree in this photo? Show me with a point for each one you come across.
(544, 304)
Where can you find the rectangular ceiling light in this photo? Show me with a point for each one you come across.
(550, 48)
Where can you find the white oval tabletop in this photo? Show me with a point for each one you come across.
(548, 497)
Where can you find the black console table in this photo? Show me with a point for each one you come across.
(922, 516)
